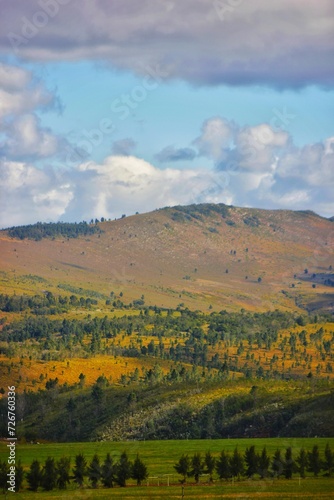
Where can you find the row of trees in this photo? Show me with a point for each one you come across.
(253, 463)
(58, 473)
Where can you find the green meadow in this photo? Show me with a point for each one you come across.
(160, 457)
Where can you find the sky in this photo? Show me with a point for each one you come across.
(124, 106)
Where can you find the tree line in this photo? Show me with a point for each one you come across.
(58, 473)
(252, 463)
(42, 230)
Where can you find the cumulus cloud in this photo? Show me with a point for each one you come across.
(121, 184)
(126, 184)
(129, 184)
(285, 43)
(215, 138)
(28, 194)
(240, 148)
(18, 92)
(26, 137)
(265, 169)
(23, 136)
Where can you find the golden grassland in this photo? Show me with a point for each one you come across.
(172, 262)
(32, 374)
(28, 373)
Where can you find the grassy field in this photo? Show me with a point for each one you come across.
(307, 489)
(160, 457)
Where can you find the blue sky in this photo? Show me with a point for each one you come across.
(138, 105)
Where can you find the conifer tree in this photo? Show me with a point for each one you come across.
(94, 471)
(3, 475)
(210, 463)
(108, 472)
(223, 466)
(277, 464)
(314, 462)
(123, 471)
(289, 464)
(80, 469)
(197, 466)
(237, 464)
(329, 460)
(34, 475)
(302, 462)
(264, 462)
(251, 461)
(63, 472)
(139, 471)
(49, 475)
(19, 475)
(183, 467)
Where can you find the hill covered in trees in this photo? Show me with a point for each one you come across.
(203, 321)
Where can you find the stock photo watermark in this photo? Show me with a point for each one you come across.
(121, 108)
(30, 27)
(225, 8)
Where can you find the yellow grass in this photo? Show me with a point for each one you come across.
(69, 370)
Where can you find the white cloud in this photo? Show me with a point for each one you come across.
(28, 194)
(13, 78)
(216, 135)
(129, 184)
(22, 134)
(27, 138)
(126, 184)
(121, 184)
(18, 93)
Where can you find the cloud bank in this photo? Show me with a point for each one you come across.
(266, 170)
(283, 44)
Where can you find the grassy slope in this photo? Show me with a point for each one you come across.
(151, 254)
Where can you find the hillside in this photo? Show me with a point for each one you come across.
(200, 256)
(199, 321)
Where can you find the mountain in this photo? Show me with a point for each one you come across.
(182, 322)
(201, 256)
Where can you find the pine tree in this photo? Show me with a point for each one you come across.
(34, 475)
(237, 464)
(63, 472)
(94, 471)
(80, 469)
(123, 471)
(139, 471)
(314, 462)
(251, 460)
(49, 475)
(197, 466)
(3, 475)
(223, 466)
(210, 463)
(329, 460)
(264, 462)
(289, 464)
(277, 464)
(19, 476)
(302, 462)
(183, 467)
(108, 472)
